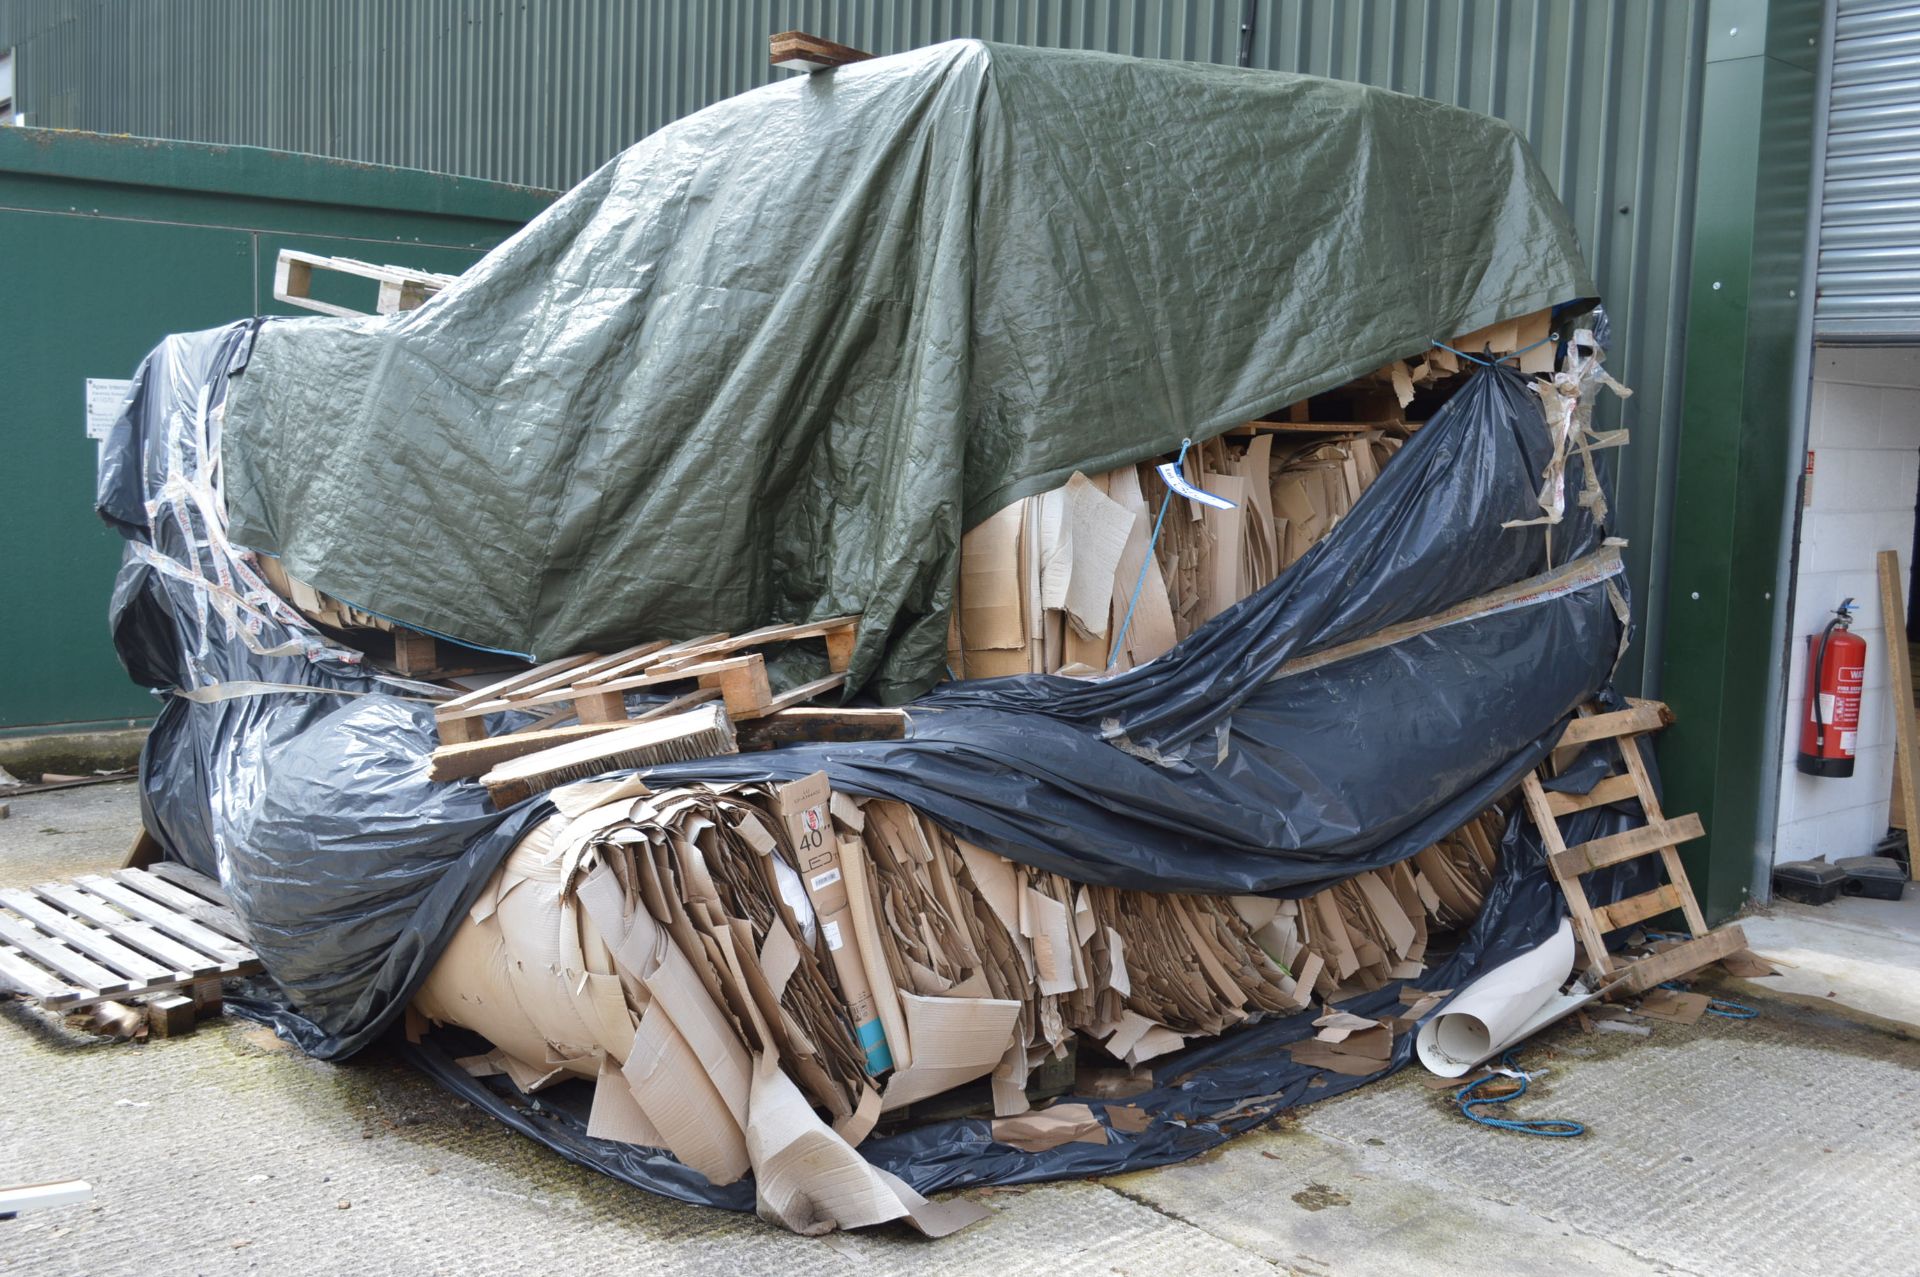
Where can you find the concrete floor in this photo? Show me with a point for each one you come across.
(1784, 1144)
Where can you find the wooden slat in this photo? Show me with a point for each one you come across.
(187, 880)
(96, 944)
(211, 916)
(495, 690)
(793, 696)
(573, 674)
(1640, 716)
(640, 664)
(1611, 790)
(1671, 964)
(69, 964)
(1648, 904)
(133, 934)
(1585, 927)
(1630, 845)
(753, 638)
(162, 918)
(1650, 803)
(1906, 763)
(22, 977)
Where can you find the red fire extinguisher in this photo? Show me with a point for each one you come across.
(1836, 666)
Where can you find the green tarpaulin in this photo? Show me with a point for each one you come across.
(768, 363)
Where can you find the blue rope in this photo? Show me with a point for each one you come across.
(1488, 363)
(1719, 1006)
(1165, 501)
(1555, 1128)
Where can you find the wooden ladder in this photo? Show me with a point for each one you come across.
(1659, 836)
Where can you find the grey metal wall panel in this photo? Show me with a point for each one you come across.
(1869, 274)
(542, 91)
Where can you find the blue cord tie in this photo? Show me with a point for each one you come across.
(1165, 501)
(1552, 1127)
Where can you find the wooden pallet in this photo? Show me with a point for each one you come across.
(1659, 836)
(401, 287)
(594, 687)
(163, 933)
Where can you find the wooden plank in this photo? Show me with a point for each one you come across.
(793, 696)
(211, 916)
(761, 637)
(798, 51)
(1671, 964)
(1650, 803)
(496, 690)
(819, 723)
(1589, 570)
(1644, 716)
(161, 918)
(457, 762)
(1630, 845)
(624, 684)
(641, 663)
(187, 880)
(133, 934)
(96, 944)
(1585, 926)
(1611, 790)
(22, 977)
(1893, 620)
(69, 964)
(1542, 812)
(574, 674)
(1648, 904)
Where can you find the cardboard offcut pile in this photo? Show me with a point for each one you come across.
(754, 978)
(1047, 584)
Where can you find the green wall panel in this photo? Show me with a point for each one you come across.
(106, 246)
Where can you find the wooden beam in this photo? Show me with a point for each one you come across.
(798, 51)
(1671, 964)
(1893, 623)
(806, 723)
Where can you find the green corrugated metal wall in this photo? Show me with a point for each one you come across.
(541, 91)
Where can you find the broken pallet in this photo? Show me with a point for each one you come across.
(1659, 836)
(401, 287)
(595, 686)
(164, 934)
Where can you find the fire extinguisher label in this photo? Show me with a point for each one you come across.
(1826, 707)
(1846, 741)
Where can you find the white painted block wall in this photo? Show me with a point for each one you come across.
(1864, 431)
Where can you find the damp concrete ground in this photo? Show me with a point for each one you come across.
(1785, 1144)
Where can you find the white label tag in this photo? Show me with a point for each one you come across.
(1171, 476)
(832, 930)
(821, 881)
(1846, 741)
(1826, 706)
(105, 398)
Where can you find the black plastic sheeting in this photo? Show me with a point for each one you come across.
(300, 778)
